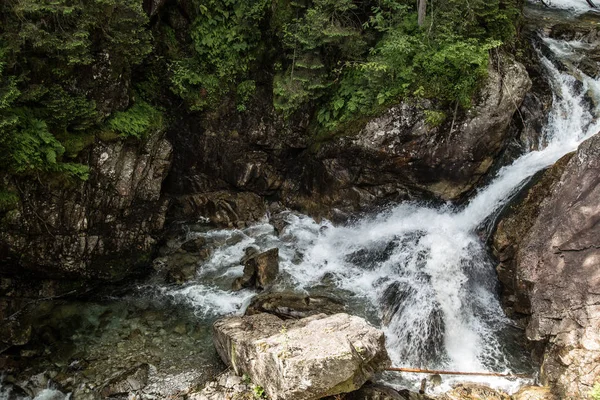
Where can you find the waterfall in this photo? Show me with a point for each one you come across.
(423, 273)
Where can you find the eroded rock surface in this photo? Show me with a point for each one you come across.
(306, 359)
(104, 228)
(395, 156)
(293, 306)
(260, 269)
(549, 250)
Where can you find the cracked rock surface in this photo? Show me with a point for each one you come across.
(550, 258)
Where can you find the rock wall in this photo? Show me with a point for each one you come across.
(549, 248)
(104, 228)
(395, 156)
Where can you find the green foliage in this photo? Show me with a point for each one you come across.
(56, 57)
(226, 40)
(8, 200)
(259, 392)
(434, 118)
(137, 121)
(326, 32)
(33, 149)
(390, 56)
(595, 392)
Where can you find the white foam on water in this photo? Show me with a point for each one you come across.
(424, 270)
(576, 6)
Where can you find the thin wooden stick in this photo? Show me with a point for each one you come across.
(438, 372)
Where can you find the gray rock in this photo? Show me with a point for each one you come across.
(260, 270)
(474, 391)
(552, 261)
(288, 305)
(306, 359)
(221, 208)
(129, 381)
(534, 393)
(375, 392)
(99, 229)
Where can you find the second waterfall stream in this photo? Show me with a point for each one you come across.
(421, 273)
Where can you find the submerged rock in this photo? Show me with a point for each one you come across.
(288, 305)
(127, 382)
(260, 269)
(549, 248)
(306, 359)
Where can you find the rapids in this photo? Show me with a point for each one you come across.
(421, 272)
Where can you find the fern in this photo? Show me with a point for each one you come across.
(137, 121)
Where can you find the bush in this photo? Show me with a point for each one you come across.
(137, 121)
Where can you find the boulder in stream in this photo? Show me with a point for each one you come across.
(308, 359)
(287, 305)
(260, 269)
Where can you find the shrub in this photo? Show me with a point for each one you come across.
(137, 121)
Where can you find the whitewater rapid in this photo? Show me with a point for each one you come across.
(422, 273)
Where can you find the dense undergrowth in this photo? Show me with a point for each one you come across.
(72, 72)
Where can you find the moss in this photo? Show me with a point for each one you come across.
(9, 200)
(74, 143)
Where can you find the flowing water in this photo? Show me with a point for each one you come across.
(421, 273)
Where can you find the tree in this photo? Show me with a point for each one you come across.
(422, 11)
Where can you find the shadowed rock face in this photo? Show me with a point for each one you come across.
(395, 156)
(103, 228)
(447, 161)
(307, 359)
(553, 260)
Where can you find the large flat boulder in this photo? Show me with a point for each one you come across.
(306, 359)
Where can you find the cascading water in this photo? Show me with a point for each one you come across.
(423, 273)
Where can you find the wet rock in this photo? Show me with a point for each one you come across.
(289, 305)
(224, 161)
(127, 382)
(226, 387)
(260, 270)
(180, 266)
(102, 228)
(471, 391)
(399, 156)
(511, 228)
(550, 259)
(534, 393)
(195, 245)
(14, 333)
(372, 391)
(305, 359)
(222, 208)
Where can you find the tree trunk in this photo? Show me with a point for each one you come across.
(422, 11)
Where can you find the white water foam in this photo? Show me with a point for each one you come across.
(576, 6)
(424, 271)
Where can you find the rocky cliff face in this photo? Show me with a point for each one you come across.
(395, 156)
(225, 166)
(104, 228)
(548, 246)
